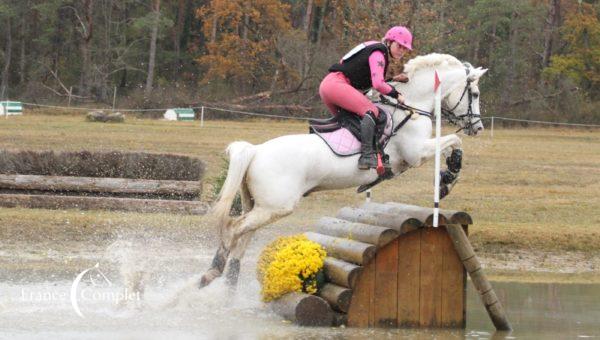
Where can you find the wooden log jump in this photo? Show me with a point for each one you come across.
(388, 267)
(134, 182)
(121, 186)
(103, 203)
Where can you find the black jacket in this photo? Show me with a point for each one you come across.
(356, 67)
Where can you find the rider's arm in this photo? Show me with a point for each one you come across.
(377, 66)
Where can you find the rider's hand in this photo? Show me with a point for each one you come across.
(402, 77)
(400, 99)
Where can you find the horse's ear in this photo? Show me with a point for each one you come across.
(476, 73)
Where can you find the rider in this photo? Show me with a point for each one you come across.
(361, 68)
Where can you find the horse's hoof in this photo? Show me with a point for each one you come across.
(208, 277)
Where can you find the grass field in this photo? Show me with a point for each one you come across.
(527, 189)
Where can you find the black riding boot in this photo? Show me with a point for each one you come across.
(368, 158)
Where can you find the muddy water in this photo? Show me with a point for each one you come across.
(37, 302)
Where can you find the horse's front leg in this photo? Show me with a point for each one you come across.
(450, 147)
(447, 144)
(449, 177)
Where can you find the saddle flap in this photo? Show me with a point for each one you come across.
(324, 125)
(343, 136)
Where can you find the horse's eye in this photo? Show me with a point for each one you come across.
(475, 95)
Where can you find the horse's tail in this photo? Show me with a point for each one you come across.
(240, 155)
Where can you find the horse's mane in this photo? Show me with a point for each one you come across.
(431, 60)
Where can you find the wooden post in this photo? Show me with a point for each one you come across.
(202, 116)
(486, 292)
(114, 99)
(70, 94)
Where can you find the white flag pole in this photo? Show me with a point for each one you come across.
(438, 132)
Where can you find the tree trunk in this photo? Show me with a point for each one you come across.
(442, 26)
(22, 51)
(179, 28)
(510, 82)
(307, 28)
(308, 18)
(7, 57)
(246, 24)
(124, 18)
(85, 47)
(152, 57)
(213, 33)
(550, 28)
(321, 22)
(412, 16)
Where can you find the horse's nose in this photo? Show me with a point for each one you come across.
(479, 130)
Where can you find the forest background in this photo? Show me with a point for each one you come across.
(270, 55)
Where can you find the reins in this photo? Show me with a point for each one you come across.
(447, 114)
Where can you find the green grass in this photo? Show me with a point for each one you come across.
(525, 188)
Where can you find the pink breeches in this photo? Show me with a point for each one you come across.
(335, 91)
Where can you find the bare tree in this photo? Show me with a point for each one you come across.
(152, 57)
(7, 57)
(550, 27)
(85, 27)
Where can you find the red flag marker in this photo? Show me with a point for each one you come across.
(437, 82)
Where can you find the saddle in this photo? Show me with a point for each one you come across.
(341, 133)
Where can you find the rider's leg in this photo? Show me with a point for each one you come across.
(368, 157)
(335, 91)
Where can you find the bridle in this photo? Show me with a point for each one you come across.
(452, 117)
(447, 114)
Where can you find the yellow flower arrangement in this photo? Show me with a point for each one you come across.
(290, 264)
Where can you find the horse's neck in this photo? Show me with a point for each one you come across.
(418, 92)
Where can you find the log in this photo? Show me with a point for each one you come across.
(304, 309)
(341, 272)
(338, 297)
(99, 116)
(366, 233)
(103, 203)
(101, 185)
(423, 214)
(419, 213)
(402, 223)
(347, 250)
(486, 292)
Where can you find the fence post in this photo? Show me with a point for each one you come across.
(492, 128)
(114, 99)
(70, 94)
(202, 116)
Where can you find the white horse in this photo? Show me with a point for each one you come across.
(272, 177)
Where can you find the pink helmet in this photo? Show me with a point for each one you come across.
(401, 35)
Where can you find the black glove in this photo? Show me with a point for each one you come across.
(393, 93)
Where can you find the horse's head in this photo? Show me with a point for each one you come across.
(461, 102)
(460, 91)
